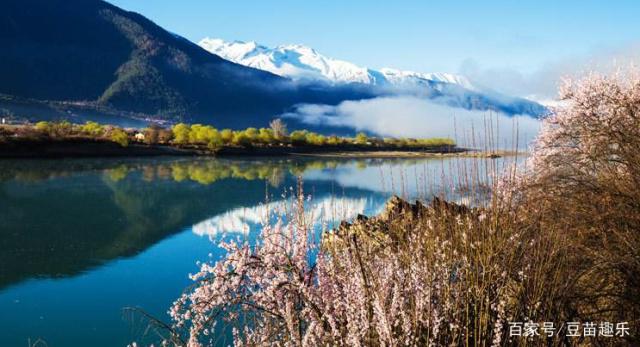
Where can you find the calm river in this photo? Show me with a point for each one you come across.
(81, 240)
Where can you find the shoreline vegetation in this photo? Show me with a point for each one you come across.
(64, 139)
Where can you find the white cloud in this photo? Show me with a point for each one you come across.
(407, 116)
(542, 84)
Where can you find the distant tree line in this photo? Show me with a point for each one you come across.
(183, 134)
(65, 129)
(277, 135)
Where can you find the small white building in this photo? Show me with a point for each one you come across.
(139, 136)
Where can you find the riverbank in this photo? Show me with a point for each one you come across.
(64, 139)
(394, 153)
(85, 147)
(82, 148)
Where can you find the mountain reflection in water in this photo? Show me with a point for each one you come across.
(324, 211)
(123, 228)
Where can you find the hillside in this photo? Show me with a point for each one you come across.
(92, 53)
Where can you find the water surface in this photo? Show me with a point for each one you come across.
(80, 240)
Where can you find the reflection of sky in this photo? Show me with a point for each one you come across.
(402, 177)
(417, 179)
(414, 179)
(327, 210)
(64, 310)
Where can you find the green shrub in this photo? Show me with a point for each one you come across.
(333, 140)
(299, 137)
(213, 138)
(92, 128)
(361, 138)
(62, 129)
(43, 127)
(266, 136)
(227, 136)
(252, 134)
(120, 137)
(240, 138)
(315, 139)
(181, 133)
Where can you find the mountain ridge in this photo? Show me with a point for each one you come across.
(305, 64)
(92, 52)
(288, 61)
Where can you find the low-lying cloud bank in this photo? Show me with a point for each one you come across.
(408, 116)
(542, 84)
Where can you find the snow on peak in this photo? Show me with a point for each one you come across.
(234, 51)
(300, 62)
(293, 61)
(397, 77)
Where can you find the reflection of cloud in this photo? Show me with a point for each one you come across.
(419, 179)
(408, 116)
(241, 220)
(542, 84)
(376, 178)
(387, 178)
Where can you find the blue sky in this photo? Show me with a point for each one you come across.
(415, 35)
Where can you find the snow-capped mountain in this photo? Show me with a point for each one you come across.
(304, 63)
